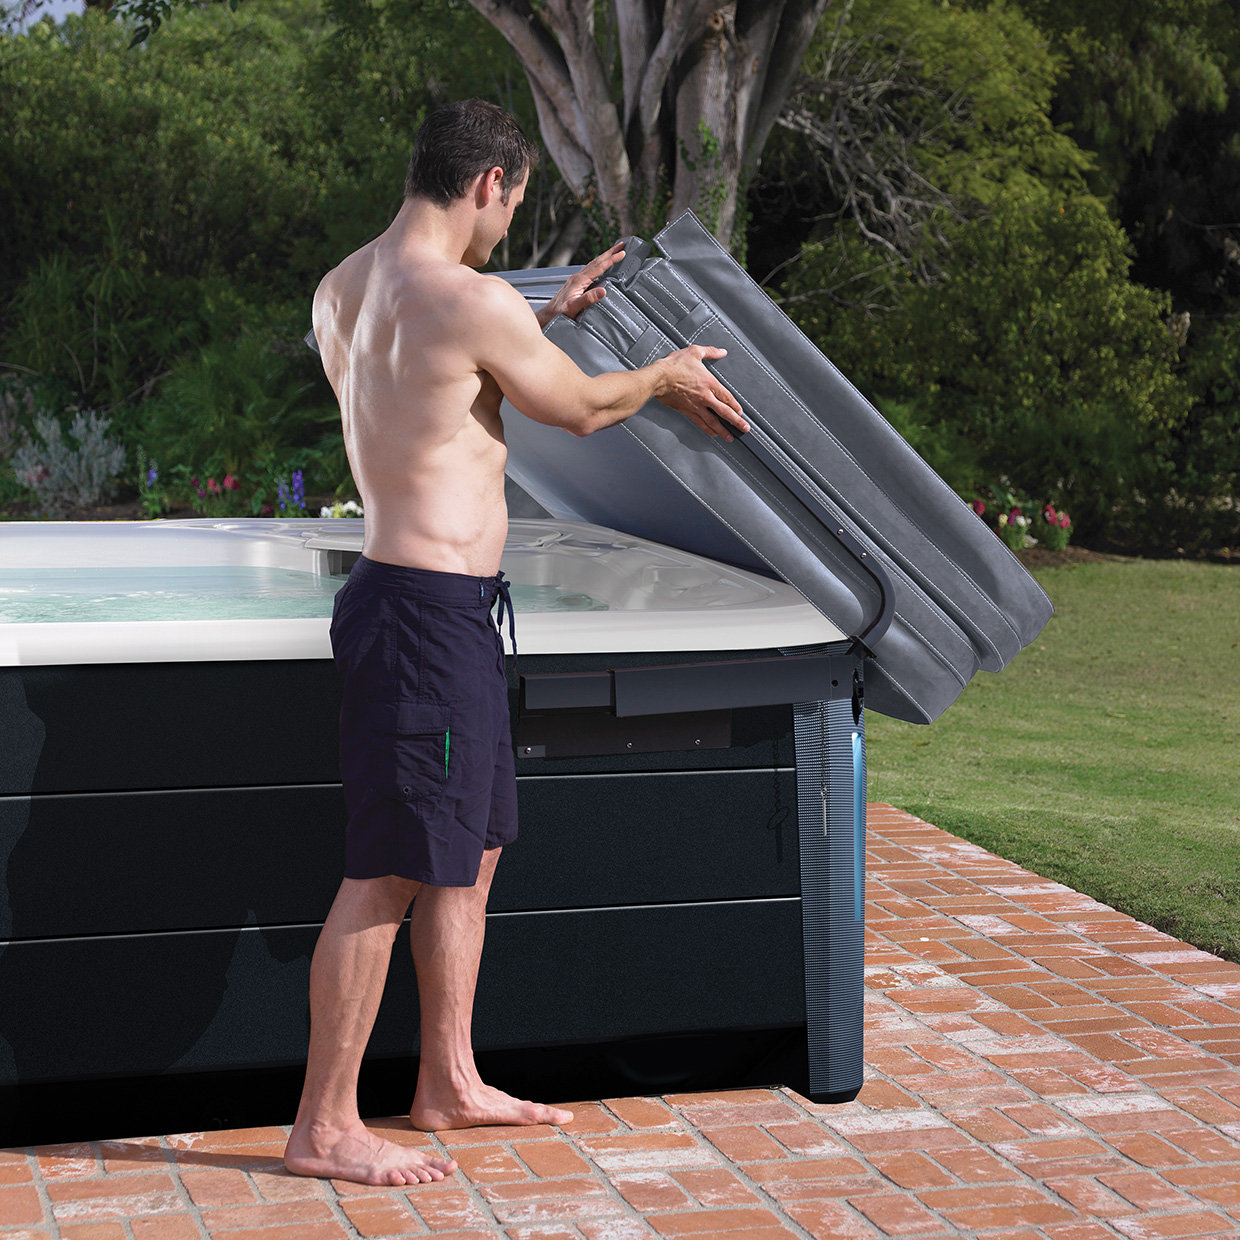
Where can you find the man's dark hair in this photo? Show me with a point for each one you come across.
(460, 141)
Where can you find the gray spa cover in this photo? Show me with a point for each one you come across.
(821, 471)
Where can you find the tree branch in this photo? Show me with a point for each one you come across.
(570, 155)
(680, 20)
(573, 24)
(796, 28)
(541, 57)
(638, 36)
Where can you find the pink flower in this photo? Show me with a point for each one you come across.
(230, 483)
(978, 507)
(1014, 513)
(193, 482)
(266, 511)
(211, 485)
(1048, 515)
(1064, 521)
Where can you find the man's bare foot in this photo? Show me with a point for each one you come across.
(357, 1154)
(435, 1109)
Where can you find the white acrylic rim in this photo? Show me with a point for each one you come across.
(781, 618)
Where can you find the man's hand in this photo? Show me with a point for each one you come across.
(576, 294)
(684, 384)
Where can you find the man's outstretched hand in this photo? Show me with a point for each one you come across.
(577, 294)
(683, 382)
(686, 385)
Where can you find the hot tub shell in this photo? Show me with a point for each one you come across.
(171, 821)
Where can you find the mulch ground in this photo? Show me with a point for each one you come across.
(1039, 1067)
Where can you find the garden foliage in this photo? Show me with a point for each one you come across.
(74, 472)
(997, 319)
(1010, 221)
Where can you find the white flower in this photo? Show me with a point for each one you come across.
(348, 509)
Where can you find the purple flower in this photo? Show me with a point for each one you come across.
(979, 507)
(299, 490)
(151, 475)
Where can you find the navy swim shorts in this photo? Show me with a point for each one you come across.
(425, 743)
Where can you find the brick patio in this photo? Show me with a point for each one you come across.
(1039, 1067)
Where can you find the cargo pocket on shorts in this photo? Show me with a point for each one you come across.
(421, 744)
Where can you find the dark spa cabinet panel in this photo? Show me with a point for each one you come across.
(146, 1004)
(125, 863)
(110, 727)
(589, 840)
(168, 725)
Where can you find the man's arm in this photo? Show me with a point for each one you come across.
(545, 384)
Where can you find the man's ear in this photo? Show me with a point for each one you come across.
(488, 186)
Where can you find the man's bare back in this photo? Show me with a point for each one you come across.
(421, 422)
(420, 350)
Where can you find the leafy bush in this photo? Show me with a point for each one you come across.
(1189, 484)
(1034, 348)
(65, 476)
(237, 401)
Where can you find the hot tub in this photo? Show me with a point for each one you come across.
(171, 820)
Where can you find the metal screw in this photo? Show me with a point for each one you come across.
(528, 751)
(629, 745)
(698, 742)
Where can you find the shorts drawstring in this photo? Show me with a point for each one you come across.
(504, 598)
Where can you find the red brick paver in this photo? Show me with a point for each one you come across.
(1039, 1067)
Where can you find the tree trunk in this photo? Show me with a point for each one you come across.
(701, 84)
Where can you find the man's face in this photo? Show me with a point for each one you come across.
(493, 223)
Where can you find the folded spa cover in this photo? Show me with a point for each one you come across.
(822, 491)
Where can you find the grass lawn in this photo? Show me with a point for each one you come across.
(1107, 756)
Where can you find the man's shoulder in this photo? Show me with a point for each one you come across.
(474, 304)
(479, 286)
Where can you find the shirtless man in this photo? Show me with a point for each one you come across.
(420, 349)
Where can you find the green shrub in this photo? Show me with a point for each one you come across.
(238, 401)
(1189, 486)
(1034, 348)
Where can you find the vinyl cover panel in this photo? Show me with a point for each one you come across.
(819, 458)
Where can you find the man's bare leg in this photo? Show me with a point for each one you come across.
(346, 983)
(446, 933)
